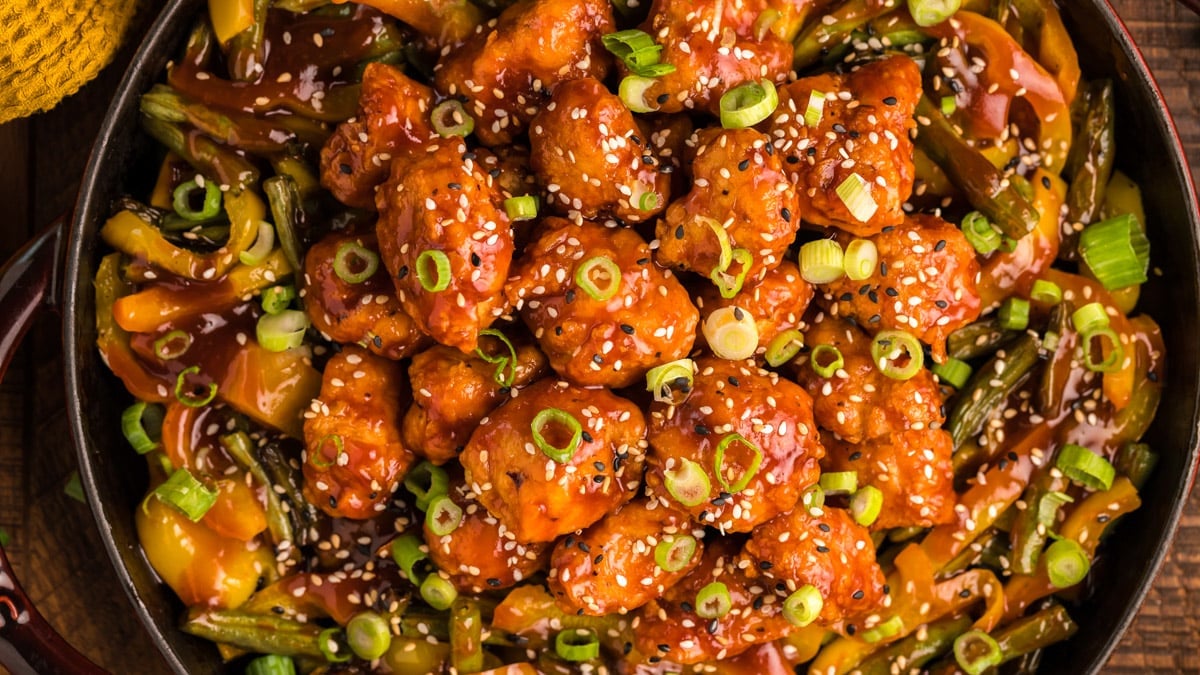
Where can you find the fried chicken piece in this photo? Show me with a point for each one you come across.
(507, 70)
(445, 203)
(593, 157)
(649, 318)
(446, 22)
(540, 498)
(354, 457)
(777, 303)
(863, 132)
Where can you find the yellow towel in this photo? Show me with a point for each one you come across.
(51, 48)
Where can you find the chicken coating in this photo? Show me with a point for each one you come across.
(858, 402)
(911, 468)
(829, 551)
(924, 284)
(649, 319)
(538, 497)
(591, 155)
(354, 456)
(481, 554)
(777, 303)
(670, 629)
(366, 313)
(509, 67)
(762, 420)
(452, 391)
(714, 46)
(445, 203)
(611, 567)
(392, 122)
(863, 132)
(739, 185)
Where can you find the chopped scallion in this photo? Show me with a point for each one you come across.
(743, 478)
(599, 277)
(980, 234)
(839, 482)
(369, 635)
(562, 424)
(861, 259)
(855, 193)
(277, 298)
(822, 261)
(189, 397)
(438, 592)
(670, 380)
(674, 552)
(427, 481)
(1085, 467)
(281, 332)
(748, 104)
(262, 247)
(815, 108)
(210, 206)
(826, 360)
(803, 606)
(1046, 292)
(897, 354)
(687, 483)
(1090, 317)
(354, 263)
(784, 347)
(142, 425)
(506, 364)
(731, 333)
(976, 652)
(577, 644)
(449, 119)
(932, 12)
(521, 208)
(443, 516)
(729, 285)
(713, 601)
(1066, 563)
(866, 504)
(953, 372)
(1116, 251)
(172, 345)
(633, 90)
(1014, 314)
(433, 270)
(186, 494)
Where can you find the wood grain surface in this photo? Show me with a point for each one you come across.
(54, 543)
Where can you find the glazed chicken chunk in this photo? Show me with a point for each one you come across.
(452, 391)
(740, 193)
(593, 157)
(447, 242)
(738, 451)
(509, 67)
(857, 402)
(924, 284)
(354, 455)
(350, 311)
(600, 308)
(392, 122)
(777, 303)
(555, 459)
(862, 138)
(612, 567)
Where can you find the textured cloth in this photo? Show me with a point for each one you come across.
(51, 48)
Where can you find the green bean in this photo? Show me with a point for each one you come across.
(248, 49)
(986, 187)
(978, 339)
(1032, 633)
(1034, 524)
(991, 385)
(299, 6)
(238, 445)
(262, 633)
(917, 649)
(466, 636)
(246, 132)
(284, 197)
(1137, 461)
(207, 157)
(987, 549)
(1090, 163)
(824, 35)
(1053, 388)
(283, 475)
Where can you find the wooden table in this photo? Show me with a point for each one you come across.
(55, 545)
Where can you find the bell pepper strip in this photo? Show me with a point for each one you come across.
(204, 154)
(919, 648)
(1090, 163)
(135, 237)
(164, 302)
(802, 644)
(986, 187)
(1005, 271)
(114, 343)
(314, 594)
(230, 17)
(531, 613)
(1085, 525)
(835, 29)
(448, 22)
(259, 633)
(238, 446)
(272, 388)
(1038, 25)
(164, 186)
(991, 385)
(237, 513)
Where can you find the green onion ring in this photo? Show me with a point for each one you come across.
(585, 274)
(890, 345)
(190, 399)
(687, 483)
(748, 104)
(353, 256)
(212, 200)
(450, 119)
(172, 345)
(719, 463)
(543, 420)
(438, 279)
(674, 554)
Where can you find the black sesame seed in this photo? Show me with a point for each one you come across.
(712, 626)
(738, 313)
(743, 165)
(873, 297)
(642, 261)
(278, 609)
(679, 232)
(598, 559)
(494, 173)
(628, 647)
(851, 630)
(864, 289)
(377, 341)
(494, 583)
(792, 159)
(858, 595)
(402, 272)
(811, 152)
(332, 502)
(626, 329)
(734, 381)
(824, 527)
(686, 606)
(599, 465)
(469, 156)
(839, 127)
(454, 186)
(1046, 182)
(765, 565)
(855, 456)
(666, 169)
(583, 546)
(345, 168)
(587, 438)
(570, 296)
(891, 292)
(476, 260)
(887, 590)
(847, 297)
(940, 245)
(758, 603)
(786, 214)
(891, 100)
(597, 479)
(875, 318)
(883, 268)
(558, 330)
(941, 304)
(822, 549)
(964, 593)
(888, 228)
(597, 359)
(701, 430)
(1152, 376)
(664, 648)
(636, 139)
(663, 98)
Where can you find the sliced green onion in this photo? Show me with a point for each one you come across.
(1093, 351)
(813, 499)
(832, 358)
(74, 488)
(262, 247)
(633, 90)
(725, 258)
(331, 641)
(670, 378)
(748, 104)
(369, 635)
(638, 51)
(890, 346)
(520, 208)
(743, 479)
(438, 592)
(1048, 506)
(762, 25)
(449, 119)
(1046, 292)
(565, 421)
(443, 516)
(354, 263)
(856, 195)
(277, 298)
(674, 554)
(1050, 341)
(427, 481)
(506, 365)
(318, 458)
(183, 200)
(649, 200)
(839, 482)
(932, 12)
(713, 601)
(1116, 251)
(976, 652)
(687, 483)
(861, 259)
(949, 105)
(189, 398)
(815, 109)
(953, 372)
(731, 333)
(186, 494)
(730, 285)
(437, 279)
(1085, 467)
(866, 504)
(577, 644)
(784, 347)
(134, 422)
(1066, 563)
(283, 331)
(1090, 317)
(888, 629)
(599, 277)
(1014, 314)
(822, 261)
(804, 606)
(407, 553)
(271, 664)
(172, 345)
(980, 234)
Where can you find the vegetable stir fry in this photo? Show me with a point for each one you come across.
(548, 336)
